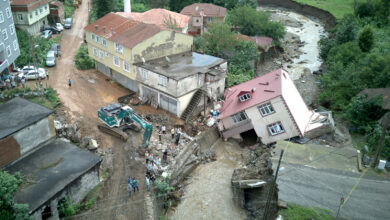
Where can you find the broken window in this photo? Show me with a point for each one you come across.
(245, 97)
(275, 129)
(241, 116)
(266, 109)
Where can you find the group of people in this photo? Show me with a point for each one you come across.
(14, 81)
(132, 185)
(175, 133)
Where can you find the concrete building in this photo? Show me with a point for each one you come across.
(201, 15)
(57, 13)
(162, 18)
(9, 47)
(175, 83)
(52, 170)
(270, 107)
(116, 43)
(30, 15)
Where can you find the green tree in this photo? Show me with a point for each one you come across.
(218, 40)
(82, 59)
(346, 30)
(366, 39)
(252, 22)
(25, 49)
(345, 53)
(9, 209)
(103, 7)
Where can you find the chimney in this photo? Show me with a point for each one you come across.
(96, 27)
(127, 6)
(253, 89)
(104, 29)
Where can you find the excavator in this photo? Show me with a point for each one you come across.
(117, 118)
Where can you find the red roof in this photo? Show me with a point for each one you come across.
(266, 87)
(122, 30)
(245, 38)
(158, 16)
(26, 5)
(210, 10)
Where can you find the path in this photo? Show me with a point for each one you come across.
(90, 90)
(209, 195)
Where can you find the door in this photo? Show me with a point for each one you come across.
(168, 104)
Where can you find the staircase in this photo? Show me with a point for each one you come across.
(192, 105)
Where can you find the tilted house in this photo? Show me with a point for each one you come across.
(116, 42)
(52, 170)
(201, 15)
(30, 15)
(270, 105)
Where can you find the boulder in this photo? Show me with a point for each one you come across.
(85, 142)
(93, 145)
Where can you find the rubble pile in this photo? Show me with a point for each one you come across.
(68, 131)
(251, 183)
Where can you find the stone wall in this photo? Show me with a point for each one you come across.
(324, 16)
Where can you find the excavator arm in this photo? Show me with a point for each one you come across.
(148, 128)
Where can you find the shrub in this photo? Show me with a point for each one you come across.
(162, 187)
(82, 59)
(66, 208)
(366, 39)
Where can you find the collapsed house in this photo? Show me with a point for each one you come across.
(270, 107)
(51, 170)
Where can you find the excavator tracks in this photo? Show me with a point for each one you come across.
(116, 132)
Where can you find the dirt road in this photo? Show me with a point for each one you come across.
(91, 90)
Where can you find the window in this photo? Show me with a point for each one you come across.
(1, 17)
(266, 109)
(5, 35)
(9, 51)
(40, 10)
(210, 19)
(106, 54)
(8, 12)
(93, 36)
(104, 42)
(20, 17)
(95, 52)
(126, 66)
(275, 129)
(15, 45)
(241, 116)
(31, 15)
(101, 54)
(162, 80)
(97, 39)
(144, 73)
(116, 61)
(118, 48)
(245, 97)
(12, 29)
(36, 12)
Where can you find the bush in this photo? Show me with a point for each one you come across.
(162, 187)
(82, 59)
(366, 39)
(66, 208)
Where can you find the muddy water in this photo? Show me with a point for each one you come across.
(209, 195)
(309, 31)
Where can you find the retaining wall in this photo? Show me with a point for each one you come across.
(324, 16)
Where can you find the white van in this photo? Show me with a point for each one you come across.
(51, 58)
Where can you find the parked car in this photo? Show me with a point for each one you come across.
(55, 48)
(32, 74)
(68, 23)
(59, 27)
(54, 30)
(47, 34)
(25, 69)
(50, 58)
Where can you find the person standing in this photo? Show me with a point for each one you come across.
(13, 84)
(163, 129)
(147, 183)
(135, 184)
(165, 155)
(23, 81)
(47, 75)
(129, 187)
(178, 136)
(151, 159)
(159, 135)
(70, 83)
(147, 157)
(41, 84)
(173, 133)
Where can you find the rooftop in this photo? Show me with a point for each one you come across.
(385, 92)
(26, 5)
(19, 113)
(261, 89)
(122, 30)
(263, 41)
(182, 65)
(158, 16)
(209, 10)
(49, 170)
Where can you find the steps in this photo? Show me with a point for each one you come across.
(192, 105)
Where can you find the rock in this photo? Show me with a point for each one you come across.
(93, 145)
(76, 137)
(58, 125)
(85, 142)
(65, 140)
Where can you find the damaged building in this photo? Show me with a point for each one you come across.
(51, 169)
(271, 108)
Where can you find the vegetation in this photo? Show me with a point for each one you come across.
(178, 5)
(8, 209)
(41, 46)
(357, 57)
(68, 8)
(251, 22)
(82, 59)
(295, 212)
(65, 208)
(220, 41)
(162, 187)
(337, 8)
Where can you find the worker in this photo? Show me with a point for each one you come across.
(135, 184)
(173, 133)
(70, 83)
(178, 136)
(47, 74)
(129, 187)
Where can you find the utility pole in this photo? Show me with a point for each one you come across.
(385, 123)
(272, 189)
(33, 51)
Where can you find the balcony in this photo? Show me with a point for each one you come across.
(238, 128)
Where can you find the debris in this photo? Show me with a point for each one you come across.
(93, 145)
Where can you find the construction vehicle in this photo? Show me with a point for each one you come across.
(117, 118)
